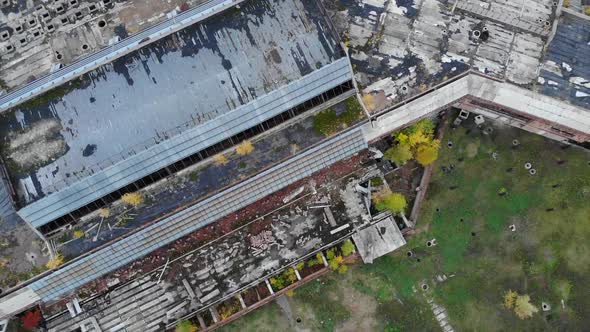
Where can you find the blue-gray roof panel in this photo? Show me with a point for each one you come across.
(191, 141)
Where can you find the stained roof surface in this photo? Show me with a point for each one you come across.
(565, 72)
(148, 161)
(182, 81)
(137, 245)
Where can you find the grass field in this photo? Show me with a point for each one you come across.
(482, 190)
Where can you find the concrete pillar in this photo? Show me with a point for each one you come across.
(201, 321)
(239, 296)
(324, 259)
(297, 274)
(214, 314)
(269, 287)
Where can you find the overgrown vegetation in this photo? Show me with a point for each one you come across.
(328, 122)
(228, 308)
(185, 326)
(376, 181)
(104, 212)
(336, 261)
(245, 148)
(55, 262)
(133, 199)
(78, 233)
(283, 280)
(347, 248)
(544, 258)
(416, 141)
(394, 203)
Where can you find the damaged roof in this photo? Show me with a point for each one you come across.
(118, 254)
(180, 82)
(565, 71)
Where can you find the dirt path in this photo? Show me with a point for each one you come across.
(285, 306)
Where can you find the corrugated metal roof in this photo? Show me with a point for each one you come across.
(106, 260)
(182, 81)
(110, 52)
(191, 141)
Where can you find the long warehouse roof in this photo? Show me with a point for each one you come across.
(189, 142)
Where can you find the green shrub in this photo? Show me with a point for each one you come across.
(326, 122)
(376, 181)
(347, 248)
(353, 111)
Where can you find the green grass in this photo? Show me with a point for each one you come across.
(548, 257)
(547, 249)
(262, 319)
(328, 122)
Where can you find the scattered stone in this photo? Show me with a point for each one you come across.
(441, 278)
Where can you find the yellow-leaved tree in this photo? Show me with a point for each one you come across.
(427, 153)
(510, 299)
(523, 307)
(245, 148)
(220, 159)
(55, 262)
(133, 199)
(416, 141)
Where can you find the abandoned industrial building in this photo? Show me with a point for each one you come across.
(162, 103)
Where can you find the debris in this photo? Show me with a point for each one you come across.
(294, 194)
(164, 269)
(479, 120)
(376, 153)
(339, 229)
